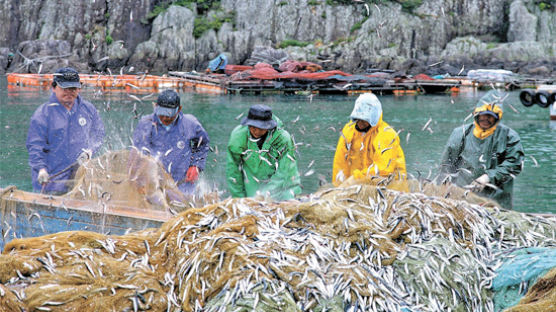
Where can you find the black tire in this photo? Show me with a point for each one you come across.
(527, 97)
(542, 98)
(553, 97)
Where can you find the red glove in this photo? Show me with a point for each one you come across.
(192, 174)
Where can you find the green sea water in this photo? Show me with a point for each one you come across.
(314, 122)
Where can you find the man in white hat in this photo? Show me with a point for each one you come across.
(368, 146)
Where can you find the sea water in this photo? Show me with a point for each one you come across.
(315, 121)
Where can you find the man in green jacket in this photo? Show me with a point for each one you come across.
(485, 156)
(261, 158)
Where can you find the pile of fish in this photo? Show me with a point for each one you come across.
(358, 247)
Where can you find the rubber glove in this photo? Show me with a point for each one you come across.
(192, 174)
(43, 176)
(480, 182)
(84, 156)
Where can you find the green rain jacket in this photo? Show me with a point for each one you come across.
(270, 170)
(500, 156)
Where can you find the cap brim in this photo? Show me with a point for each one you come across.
(493, 114)
(261, 124)
(69, 84)
(165, 111)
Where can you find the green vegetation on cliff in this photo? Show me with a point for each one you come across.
(546, 5)
(292, 42)
(202, 6)
(407, 5)
(202, 22)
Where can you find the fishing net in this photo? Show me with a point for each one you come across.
(132, 179)
(541, 296)
(450, 191)
(522, 268)
(104, 188)
(359, 247)
(295, 67)
(446, 190)
(268, 73)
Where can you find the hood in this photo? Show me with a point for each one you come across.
(490, 103)
(367, 107)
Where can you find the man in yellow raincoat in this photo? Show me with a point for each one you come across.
(368, 146)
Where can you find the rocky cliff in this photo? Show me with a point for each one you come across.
(156, 36)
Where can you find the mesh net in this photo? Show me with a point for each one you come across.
(267, 73)
(541, 296)
(130, 178)
(357, 247)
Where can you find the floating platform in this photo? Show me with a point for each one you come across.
(124, 83)
(332, 82)
(222, 84)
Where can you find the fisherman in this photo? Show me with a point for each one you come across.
(64, 132)
(178, 140)
(261, 157)
(485, 155)
(368, 146)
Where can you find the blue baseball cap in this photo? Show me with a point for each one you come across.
(165, 111)
(67, 77)
(167, 103)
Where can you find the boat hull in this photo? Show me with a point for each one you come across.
(25, 214)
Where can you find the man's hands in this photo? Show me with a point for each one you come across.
(43, 176)
(84, 156)
(192, 174)
(480, 183)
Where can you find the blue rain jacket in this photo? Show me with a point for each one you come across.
(184, 145)
(57, 136)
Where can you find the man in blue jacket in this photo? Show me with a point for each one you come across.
(64, 132)
(178, 140)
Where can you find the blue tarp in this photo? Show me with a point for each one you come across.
(522, 266)
(219, 62)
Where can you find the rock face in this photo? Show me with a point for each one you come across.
(171, 44)
(121, 35)
(523, 25)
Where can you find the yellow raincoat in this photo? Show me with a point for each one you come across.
(376, 152)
